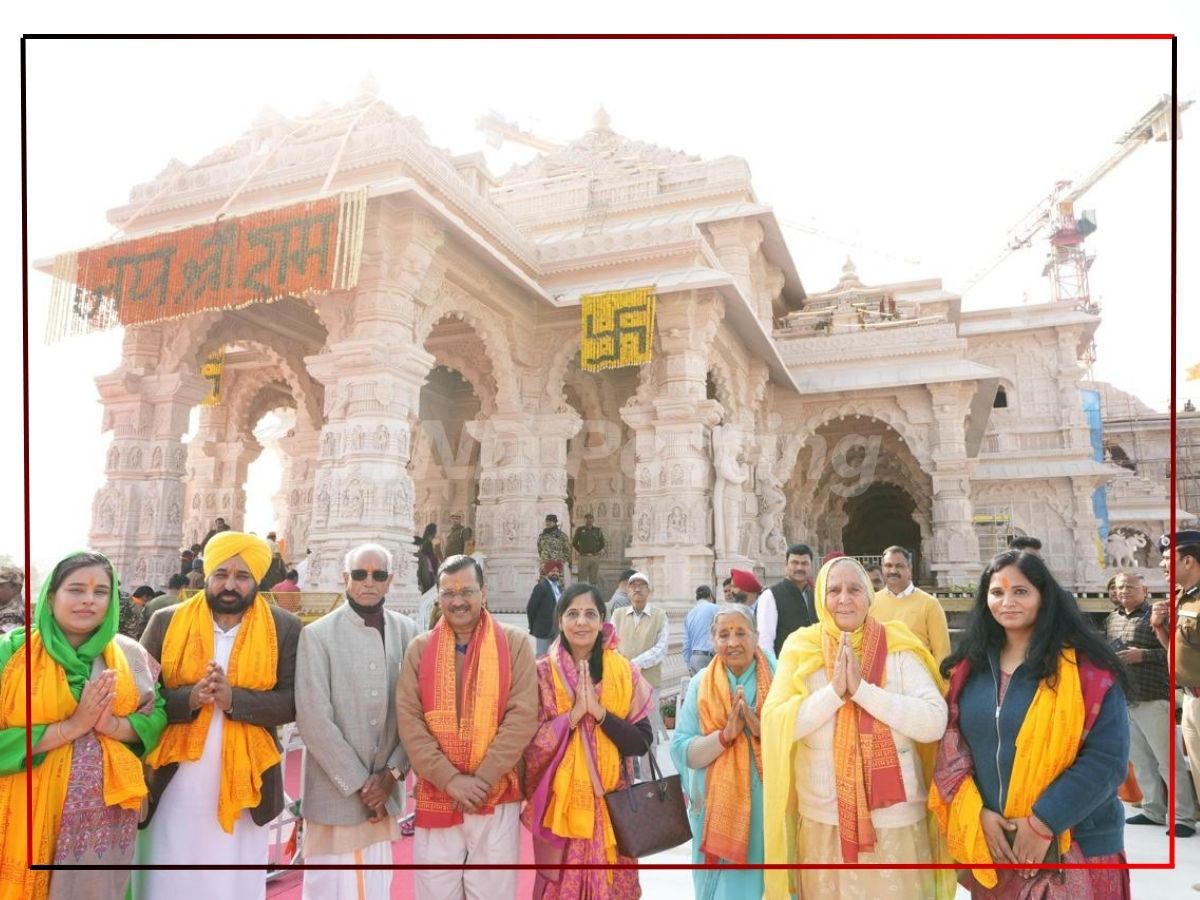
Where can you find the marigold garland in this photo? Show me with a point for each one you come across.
(291, 251)
(617, 329)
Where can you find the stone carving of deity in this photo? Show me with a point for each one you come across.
(107, 519)
(114, 458)
(509, 529)
(402, 501)
(174, 514)
(643, 527)
(730, 472)
(677, 521)
(352, 502)
(135, 459)
(156, 459)
(771, 502)
(381, 438)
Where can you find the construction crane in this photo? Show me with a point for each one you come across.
(1067, 263)
(498, 129)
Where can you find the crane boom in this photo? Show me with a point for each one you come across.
(1068, 265)
(499, 129)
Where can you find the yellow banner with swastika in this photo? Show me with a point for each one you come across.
(617, 329)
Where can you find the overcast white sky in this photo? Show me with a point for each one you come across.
(915, 150)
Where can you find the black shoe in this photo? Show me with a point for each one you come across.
(1183, 831)
(1141, 819)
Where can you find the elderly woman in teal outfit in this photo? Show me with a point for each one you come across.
(95, 708)
(717, 750)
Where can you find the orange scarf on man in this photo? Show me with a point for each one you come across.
(465, 738)
(53, 701)
(727, 786)
(247, 751)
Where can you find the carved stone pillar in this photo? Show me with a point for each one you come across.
(1085, 535)
(736, 241)
(300, 449)
(1072, 421)
(362, 489)
(522, 479)
(137, 516)
(671, 418)
(955, 554)
(672, 524)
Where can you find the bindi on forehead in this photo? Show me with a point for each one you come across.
(1005, 582)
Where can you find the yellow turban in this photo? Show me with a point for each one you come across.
(225, 545)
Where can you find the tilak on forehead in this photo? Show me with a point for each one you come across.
(1004, 582)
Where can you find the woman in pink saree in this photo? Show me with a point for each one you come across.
(593, 708)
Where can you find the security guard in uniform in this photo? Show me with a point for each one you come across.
(588, 544)
(1185, 635)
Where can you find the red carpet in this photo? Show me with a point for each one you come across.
(287, 886)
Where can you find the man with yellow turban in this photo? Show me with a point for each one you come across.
(228, 668)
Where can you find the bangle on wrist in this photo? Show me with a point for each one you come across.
(62, 734)
(1043, 835)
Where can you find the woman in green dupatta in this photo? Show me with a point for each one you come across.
(95, 710)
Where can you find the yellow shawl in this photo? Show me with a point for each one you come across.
(571, 810)
(1047, 745)
(53, 701)
(247, 751)
(802, 654)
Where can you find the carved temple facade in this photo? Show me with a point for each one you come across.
(448, 379)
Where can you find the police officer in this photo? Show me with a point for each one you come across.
(589, 544)
(1186, 633)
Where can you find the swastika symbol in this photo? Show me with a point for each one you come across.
(619, 330)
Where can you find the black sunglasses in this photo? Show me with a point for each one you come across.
(376, 575)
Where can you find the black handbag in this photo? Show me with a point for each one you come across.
(649, 817)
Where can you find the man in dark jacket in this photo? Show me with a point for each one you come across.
(542, 601)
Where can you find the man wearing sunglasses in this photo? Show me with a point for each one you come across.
(467, 708)
(354, 777)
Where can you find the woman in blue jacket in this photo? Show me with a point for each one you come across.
(1037, 742)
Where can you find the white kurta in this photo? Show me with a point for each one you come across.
(185, 830)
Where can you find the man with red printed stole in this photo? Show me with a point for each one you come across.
(466, 706)
(228, 671)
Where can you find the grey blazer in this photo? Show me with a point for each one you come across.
(345, 682)
(269, 709)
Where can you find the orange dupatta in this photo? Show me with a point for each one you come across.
(866, 765)
(247, 751)
(727, 786)
(124, 785)
(465, 738)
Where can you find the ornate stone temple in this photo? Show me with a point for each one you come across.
(449, 379)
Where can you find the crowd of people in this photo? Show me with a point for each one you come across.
(827, 723)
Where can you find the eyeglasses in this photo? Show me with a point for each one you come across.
(376, 575)
(464, 594)
(638, 590)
